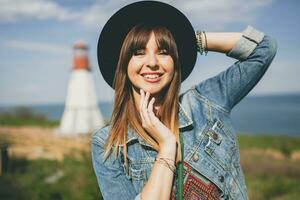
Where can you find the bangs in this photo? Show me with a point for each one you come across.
(165, 40)
(140, 39)
(142, 33)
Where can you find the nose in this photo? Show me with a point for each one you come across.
(152, 60)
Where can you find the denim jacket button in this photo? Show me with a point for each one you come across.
(215, 136)
(195, 158)
(219, 124)
(221, 179)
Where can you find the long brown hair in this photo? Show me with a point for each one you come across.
(125, 113)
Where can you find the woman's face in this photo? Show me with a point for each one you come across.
(151, 69)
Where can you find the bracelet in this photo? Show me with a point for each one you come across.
(205, 48)
(166, 159)
(199, 42)
(164, 162)
(201, 45)
(171, 167)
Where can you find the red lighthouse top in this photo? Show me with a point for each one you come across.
(81, 60)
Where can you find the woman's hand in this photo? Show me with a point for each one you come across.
(151, 123)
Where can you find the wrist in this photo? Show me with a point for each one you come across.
(167, 149)
(170, 142)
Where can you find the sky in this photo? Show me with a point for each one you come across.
(37, 38)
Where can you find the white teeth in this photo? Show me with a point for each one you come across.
(152, 76)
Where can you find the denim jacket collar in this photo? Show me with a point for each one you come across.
(184, 121)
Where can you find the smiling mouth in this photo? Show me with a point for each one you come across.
(152, 78)
(151, 75)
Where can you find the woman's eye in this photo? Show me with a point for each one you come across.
(163, 52)
(139, 52)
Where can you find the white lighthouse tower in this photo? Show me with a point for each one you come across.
(81, 114)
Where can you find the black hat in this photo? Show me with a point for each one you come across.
(116, 28)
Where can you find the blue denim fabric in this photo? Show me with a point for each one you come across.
(210, 140)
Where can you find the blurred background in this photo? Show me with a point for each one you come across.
(48, 54)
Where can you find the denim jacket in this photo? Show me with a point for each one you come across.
(210, 140)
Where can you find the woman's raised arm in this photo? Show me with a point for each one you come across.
(254, 51)
(222, 41)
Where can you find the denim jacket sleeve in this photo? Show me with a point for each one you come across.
(112, 180)
(254, 52)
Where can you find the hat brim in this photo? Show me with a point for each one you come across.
(116, 28)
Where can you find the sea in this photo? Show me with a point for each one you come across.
(268, 115)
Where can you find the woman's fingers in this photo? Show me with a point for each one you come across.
(152, 116)
(149, 121)
(141, 105)
(150, 106)
(145, 110)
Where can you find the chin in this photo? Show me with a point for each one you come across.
(153, 90)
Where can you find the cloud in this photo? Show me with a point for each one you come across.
(221, 11)
(18, 10)
(95, 16)
(216, 14)
(281, 77)
(37, 46)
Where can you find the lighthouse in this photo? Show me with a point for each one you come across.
(81, 114)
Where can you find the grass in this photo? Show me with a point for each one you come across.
(268, 177)
(284, 144)
(28, 180)
(25, 116)
(272, 186)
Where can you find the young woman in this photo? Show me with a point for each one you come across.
(161, 144)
